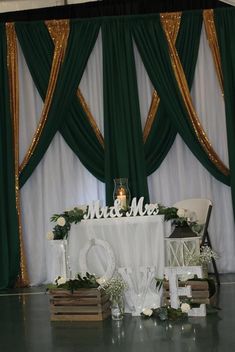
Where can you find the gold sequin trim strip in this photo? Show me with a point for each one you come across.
(90, 117)
(59, 31)
(151, 115)
(12, 65)
(172, 23)
(208, 18)
(183, 86)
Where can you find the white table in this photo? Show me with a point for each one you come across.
(138, 246)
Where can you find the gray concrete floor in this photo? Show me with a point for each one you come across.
(25, 327)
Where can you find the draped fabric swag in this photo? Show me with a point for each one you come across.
(57, 66)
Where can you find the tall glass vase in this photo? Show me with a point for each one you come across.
(122, 192)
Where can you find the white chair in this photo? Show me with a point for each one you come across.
(202, 208)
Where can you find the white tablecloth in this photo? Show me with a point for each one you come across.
(137, 243)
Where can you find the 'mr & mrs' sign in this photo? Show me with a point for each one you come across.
(136, 209)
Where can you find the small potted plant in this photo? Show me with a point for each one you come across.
(115, 288)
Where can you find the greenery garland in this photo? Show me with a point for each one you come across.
(87, 281)
(64, 221)
(75, 215)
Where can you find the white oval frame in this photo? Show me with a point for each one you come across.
(110, 257)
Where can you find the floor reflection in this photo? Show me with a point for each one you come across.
(192, 334)
(25, 326)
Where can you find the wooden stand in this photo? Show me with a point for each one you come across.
(81, 305)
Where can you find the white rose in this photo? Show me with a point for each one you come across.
(100, 280)
(185, 307)
(181, 213)
(61, 221)
(61, 281)
(50, 236)
(147, 311)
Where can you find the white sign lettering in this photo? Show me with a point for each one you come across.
(175, 291)
(97, 212)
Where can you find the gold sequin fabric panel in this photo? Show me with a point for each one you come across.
(12, 65)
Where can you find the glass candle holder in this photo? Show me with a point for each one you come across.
(122, 192)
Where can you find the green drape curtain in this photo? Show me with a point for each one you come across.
(9, 236)
(124, 152)
(163, 132)
(38, 50)
(152, 45)
(225, 27)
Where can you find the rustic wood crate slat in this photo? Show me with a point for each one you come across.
(195, 294)
(74, 301)
(80, 317)
(82, 292)
(80, 309)
(81, 305)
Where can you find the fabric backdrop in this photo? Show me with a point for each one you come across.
(61, 182)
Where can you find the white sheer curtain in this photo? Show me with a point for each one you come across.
(60, 181)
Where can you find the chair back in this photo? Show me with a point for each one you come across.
(202, 208)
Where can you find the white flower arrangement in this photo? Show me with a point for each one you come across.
(114, 288)
(205, 256)
(180, 217)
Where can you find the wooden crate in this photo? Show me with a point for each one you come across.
(81, 305)
(200, 291)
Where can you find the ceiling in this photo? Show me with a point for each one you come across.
(18, 5)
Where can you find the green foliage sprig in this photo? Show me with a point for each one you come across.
(164, 313)
(87, 281)
(170, 213)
